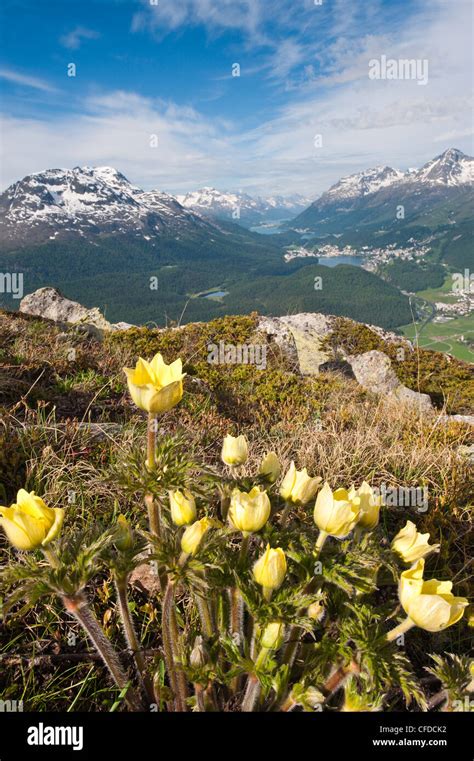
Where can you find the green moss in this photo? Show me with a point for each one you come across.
(189, 342)
(447, 380)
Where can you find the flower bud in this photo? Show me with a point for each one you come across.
(272, 636)
(270, 467)
(269, 570)
(410, 545)
(250, 511)
(124, 540)
(199, 654)
(183, 507)
(298, 487)
(193, 535)
(369, 506)
(234, 450)
(316, 611)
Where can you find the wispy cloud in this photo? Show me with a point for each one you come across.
(74, 39)
(25, 80)
(246, 15)
(362, 122)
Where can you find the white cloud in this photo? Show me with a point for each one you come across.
(25, 80)
(363, 122)
(74, 39)
(246, 15)
(116, 129)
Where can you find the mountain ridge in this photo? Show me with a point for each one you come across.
(448, 175)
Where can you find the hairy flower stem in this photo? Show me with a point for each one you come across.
(51, 557)
(170, 642)
(253, 689)
(289, 653)
(131, 636)
(205, 616)
(225, 504)
(78, 607)
(199, 692)
(252, 694)
(322, 536)
(285, 515)
(236, 627)
(288, 704)
(400, 629)
(154, 521)
(151, 442)
(339, 676)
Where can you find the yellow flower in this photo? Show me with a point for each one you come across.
(336, 513)
(193, 535)
(29, 523)
(272, 636)
(316, 611)
(270, 467)
(411, 545)
(298, 487)
(429, 604)
(369, 505)
(250, 511)
(183, 507)
(269, 570)
(234, 450)
(154, 386)
(124, 539)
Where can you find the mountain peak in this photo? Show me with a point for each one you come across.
(452, 167)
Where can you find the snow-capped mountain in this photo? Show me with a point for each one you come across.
(86, 201)
(241, 207)
(363, 183)
(360, 198)
(451, 169)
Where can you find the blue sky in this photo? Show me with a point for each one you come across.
(165, 69)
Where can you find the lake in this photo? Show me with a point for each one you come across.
(333, 261)
(214, 295)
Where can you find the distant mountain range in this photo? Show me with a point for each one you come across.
(243, 208)
(61, 204)
(374, 197)
(99, 238)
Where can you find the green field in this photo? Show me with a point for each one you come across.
(443, 293)
(445, 336)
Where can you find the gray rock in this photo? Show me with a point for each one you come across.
(374, 371)
(52, 305)
(467, 452)
(467, 419)
(299, 336)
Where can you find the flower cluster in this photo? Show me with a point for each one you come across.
(258, 510)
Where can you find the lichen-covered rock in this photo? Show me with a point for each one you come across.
(374, 371)
(300, 336)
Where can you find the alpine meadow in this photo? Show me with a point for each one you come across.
(236, 375)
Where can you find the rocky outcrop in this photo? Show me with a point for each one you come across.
(299, 336)
(51, 304)
(374, 371)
